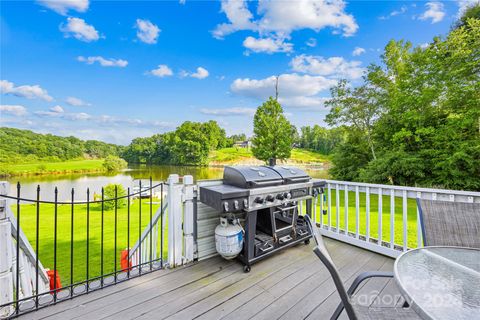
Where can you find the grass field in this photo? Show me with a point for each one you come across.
(398, 216)
(71, 166)
(239, 155)
(46, 236)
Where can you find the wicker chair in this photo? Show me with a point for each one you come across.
(356, 311)
(447, 223)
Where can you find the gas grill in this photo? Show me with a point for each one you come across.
(267, 198)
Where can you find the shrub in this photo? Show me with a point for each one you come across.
(109, 193)
(112, 163)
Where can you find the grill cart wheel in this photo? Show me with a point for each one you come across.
(307, 242)
(246, 269)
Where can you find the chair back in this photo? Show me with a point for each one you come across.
(322, 253)
(446, 223)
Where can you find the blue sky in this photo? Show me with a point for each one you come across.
(117, 70)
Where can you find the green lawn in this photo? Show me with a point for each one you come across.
(46, 236)
(71, 166)
(236, 155)
(307, 156)
(398, 216)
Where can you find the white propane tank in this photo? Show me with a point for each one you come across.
(229, 238)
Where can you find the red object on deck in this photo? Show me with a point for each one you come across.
(125, 263)
(54, 279)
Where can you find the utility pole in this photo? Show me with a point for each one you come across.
(276, 87)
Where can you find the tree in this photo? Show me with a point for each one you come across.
(272, 132)
(109, 193)
(358, 107)
(416, 118)
(472, 12)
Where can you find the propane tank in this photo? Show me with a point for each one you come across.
(229, 238)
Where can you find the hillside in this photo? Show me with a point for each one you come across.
(243, 156)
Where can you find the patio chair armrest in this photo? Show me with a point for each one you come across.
(359, 279)
(367, 275)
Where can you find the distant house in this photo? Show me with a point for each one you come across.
(243, 144)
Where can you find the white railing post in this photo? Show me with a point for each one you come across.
(337, 206)
(174, 221)
(329, 218)
(6, 277)
(188, 223)
(357, 212)
(367, 213)
(346, 210)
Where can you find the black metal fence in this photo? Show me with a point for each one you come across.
(86, 244)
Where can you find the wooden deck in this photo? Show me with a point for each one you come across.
(290, 285)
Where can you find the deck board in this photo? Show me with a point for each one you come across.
(292, 284)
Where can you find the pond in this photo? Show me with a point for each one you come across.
(127, 178)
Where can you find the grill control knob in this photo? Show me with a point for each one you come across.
(280, 196)
(245, 203)
(259, 200)
(225, 206)
(270, 198)
(287, 195)
(236, 205)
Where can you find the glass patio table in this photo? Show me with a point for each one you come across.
(440, 282)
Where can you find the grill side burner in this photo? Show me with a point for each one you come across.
(268, 198)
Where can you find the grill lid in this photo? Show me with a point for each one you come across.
(291, 174)
(251, 177)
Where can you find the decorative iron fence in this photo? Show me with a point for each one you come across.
(86, 244)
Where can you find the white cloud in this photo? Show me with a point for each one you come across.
(25, 91)
(146, 31)
(77, 116)
(464, 5)
(104, 62)
(182, 1)
(287, 16)
(61, 114)
(63, 6)
(267, 45)
(76, 102)
(294, 90)
(15, 110)
(229, 112)
(312, 42)
(394, 13)
(435, 12)
(79, 29)
(239, 17)
(336, 67)
(201, 73)
(358, 51)
(304, 102)
(57, 109)
(281, 18)
(161, 71)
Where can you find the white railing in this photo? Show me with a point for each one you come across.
(179, 203)
(150, 245)
(380, 218)
(23, 275)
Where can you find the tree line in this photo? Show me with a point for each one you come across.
(24, 146)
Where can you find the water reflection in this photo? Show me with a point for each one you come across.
(128, 178)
